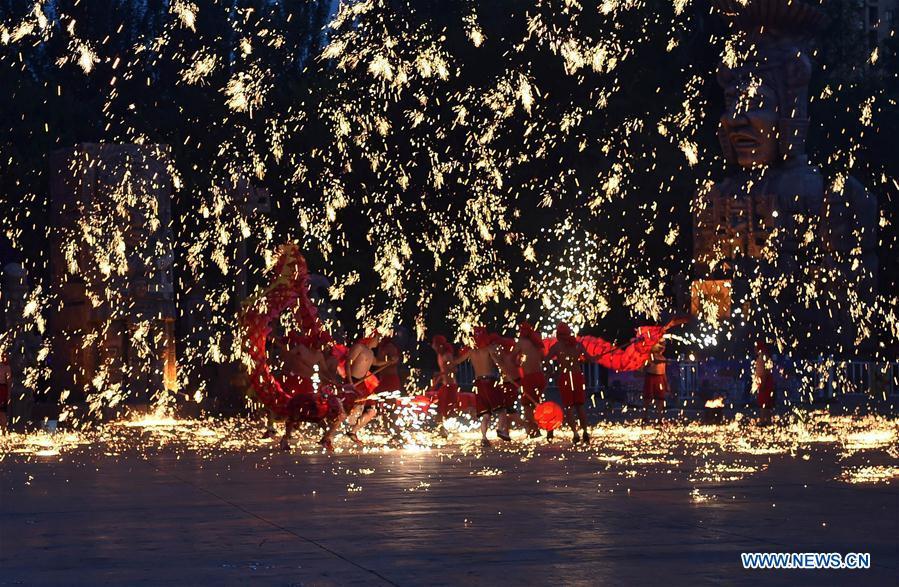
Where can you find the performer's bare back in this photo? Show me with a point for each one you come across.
(360, 358)
(507, 362)
(531, 356)
(481, 362)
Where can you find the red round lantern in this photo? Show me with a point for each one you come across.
(549, 415)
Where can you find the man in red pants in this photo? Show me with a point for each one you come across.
(510, 376)
(655, 382)
(490, 395)
(569, 353)
(763, 382)
(389, 355)
(529, 349)
(359, 361)
(445, 381)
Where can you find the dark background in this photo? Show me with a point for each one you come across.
(47, 104)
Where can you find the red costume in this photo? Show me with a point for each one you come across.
(468, 401)
(655, 386)
(389, 378)
(532, 386)
(572, 388)
(316, 407)
(4, 387)
(367, 386)
(447, 399)
(490, 395)
(388, 382)
(766, 391)
(296, 384)
(510, 395)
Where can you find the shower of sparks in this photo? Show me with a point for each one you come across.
(401, 158)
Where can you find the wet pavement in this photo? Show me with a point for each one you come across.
(110, 512)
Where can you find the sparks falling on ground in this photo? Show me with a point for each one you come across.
(859, 449)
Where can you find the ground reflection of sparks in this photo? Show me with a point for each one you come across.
(863, 446)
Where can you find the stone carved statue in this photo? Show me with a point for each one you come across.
(776, 217)
(115, 320)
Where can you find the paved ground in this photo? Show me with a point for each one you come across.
(193, 507)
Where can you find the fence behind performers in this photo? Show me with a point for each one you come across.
(692, 382)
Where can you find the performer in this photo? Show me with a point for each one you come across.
(763, 382)
(303, 359)
(529, 349)
(359, 361)
(389, 381)
(445, 381)
(489, 395)
(569, 353)
(389, 355)
(655, 381)
(510, 375)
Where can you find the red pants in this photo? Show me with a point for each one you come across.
(490, 395)
(572, 388)
(766, 392)
(307, 407)
(389, 382)
(367, 386)
(447, 399)
(510, 394)
(654, 387)
(468, 401)
(532, 384)
(294, 385)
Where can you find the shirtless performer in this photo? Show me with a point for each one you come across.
(510, 374)
(304, 361)
(763, 382)
(359, 361)
(389, 355)
(445, 381)
(568, 352)
(655, 382)
(529, 349)
(490, 396)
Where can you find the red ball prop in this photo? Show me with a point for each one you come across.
(549, 415)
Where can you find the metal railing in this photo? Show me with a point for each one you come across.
(847, 377)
